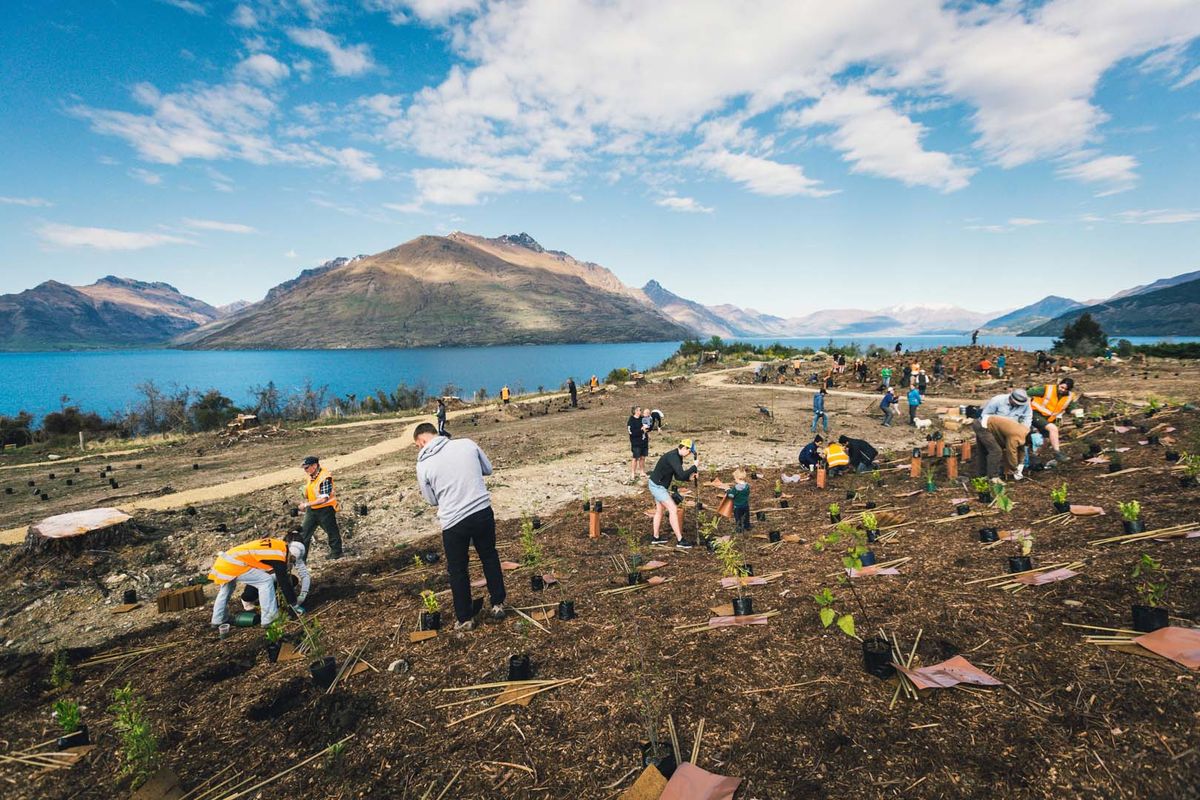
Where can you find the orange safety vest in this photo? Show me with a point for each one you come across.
(504, 393)
(836, 456)
(1050, 405)
(312, 489)
(594, 383)
(985, 365)
(237, 561)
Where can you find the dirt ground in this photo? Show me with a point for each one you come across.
(1074, 720)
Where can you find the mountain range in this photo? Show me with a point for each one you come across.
(469, 290)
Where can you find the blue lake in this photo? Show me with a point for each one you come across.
(107, 381)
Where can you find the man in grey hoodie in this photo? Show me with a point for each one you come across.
(450, 475)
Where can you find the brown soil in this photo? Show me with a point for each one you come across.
(1073, 721)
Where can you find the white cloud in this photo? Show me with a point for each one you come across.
(1117, 173)
(1013, 224)
(291, 254)
(1159, 216)
(346, 60)
(459, 187)
(1187, 80)
(30, 202)
(1024, 222)
(187, 5)
(683, 204)
(213, 225)
(244, 17)
(357, 164)
(103, 238)
(262, 68)
(402, 12)
(763, 176)
(878, 140)
(145, 176)
(385, 105)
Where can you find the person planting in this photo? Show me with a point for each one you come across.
(740, 493)
(1000, 430)
(300, 577)
(1049, 403)
(670, 468)
(450, 476)
(261, 564)
(837, 459)
(810, 454)
(861, 454)
(888, 404)
(320, 507)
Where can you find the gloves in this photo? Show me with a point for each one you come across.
(298, 609)
(984, 419)
(300, 599)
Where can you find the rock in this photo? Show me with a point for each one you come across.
(400, 666)
(113, 580)
(1072, 603)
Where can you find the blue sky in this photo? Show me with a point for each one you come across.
(786, 156)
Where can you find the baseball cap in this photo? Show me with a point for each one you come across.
(1018, 397)
(309, 461)
(689, 444)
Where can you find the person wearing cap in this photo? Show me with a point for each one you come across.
(888, 404)
(810, 454)
(261, 564)
(450, 475)
(670, 468)
(299, 575)
(320, 507)
(1049, 403)
(1000, 431)
(861, 452)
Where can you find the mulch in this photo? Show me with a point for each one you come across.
(1073, 720)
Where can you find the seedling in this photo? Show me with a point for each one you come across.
(930, 484)
(870, 521)
(828, 614)
(1059, 495)
(1022, 542)
(1001, 499)
(1151, 584)
(334, 754)
(778, 487)
(732, 563)
(1155, 404)
(708, 527)
(430, 600)
(60, 671)
(835, 512)
(531, 551)
(417, 562)
(314, 637)
(139, 746)
(1191, 464)
(632, 545)
(1131, 511)
(66, 714)
(274, 631)
(876, 477)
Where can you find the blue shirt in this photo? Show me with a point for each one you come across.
(1000, 407)
(818, 403)
(889, 399)
(914, 397)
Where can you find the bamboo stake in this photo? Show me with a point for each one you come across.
(109, 657)
(448, 785)
(511, 701)
(1097, 627)
(704, 626)
(696, 743)
(674, 739)
(1168, 533)
(497, 684)
(1013, 574)
(279, 775)
(192, 792)
(787, 686)
(531, 619)
(636, 587)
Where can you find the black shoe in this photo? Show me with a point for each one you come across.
(684, 544)
(657, 540)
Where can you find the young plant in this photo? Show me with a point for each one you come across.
(778, 487)
(274, 631)
(60, 671)
(732, 563)
(876, 477)
(1130, 511)
(1059, 495)
(981, 485)
(1151, 585)
(870, 521)
(632, 546)
(708, 527)
(834, 510)
(417, 563)
(139, 746)
(333, 755)
(430, 600)
(531, 551)
(1001, 499)
(1022, 542)
(66, 714)
(828, 614)
(314, 637)
(929, 477)
(1190, 463)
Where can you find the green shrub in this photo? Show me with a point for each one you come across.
(139, 746)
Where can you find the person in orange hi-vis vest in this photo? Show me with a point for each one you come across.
(261, 564)
(1049, 403)
(320, 507)
(504, 394)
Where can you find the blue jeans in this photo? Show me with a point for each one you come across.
(823, 417)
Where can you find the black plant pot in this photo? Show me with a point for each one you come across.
(587, 506)
(1020, 563)
(70, 482)
(871, 504)
(963, 508)
(31, 483)
(835, 518)
(1115, 466)
(778, 493)
(598, 506)
(1152, 438)
(431, 620)
(710, 545)
(51, 476)
(295, 512)
(634, 578)
(45, 496)
(222, 527)
(519, 667)
(1149, 618)
(1095, 449)
(747, 570)
(323, 671)
(663, 760)
(743, 606)
(191, 512)
(273, 651)
(1062, 508)
(129, 596)
(537, 582)
(985, 497)
(783, 503)
(536, 522)
(774, 536)
(76, 738)
(867, 559)
(361, 510)
(195, 466)
(1172, 456)
(8, 490)
(1189, 482)
(566, 609)
(137, 466)
(761, 516)
(877, 658)
(872, 535)
(77, 470)
(851, 495)
(1134, 526)
(431, 557)
(989, 535)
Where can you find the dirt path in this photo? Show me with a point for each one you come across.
(717, 378)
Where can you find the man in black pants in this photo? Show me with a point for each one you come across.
(450, 475)
(574, 392)
(862, 454)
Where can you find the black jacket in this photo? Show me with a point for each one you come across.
(669, 467)
(860, 452)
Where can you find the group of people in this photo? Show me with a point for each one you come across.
(641, 423)
(1010, 428)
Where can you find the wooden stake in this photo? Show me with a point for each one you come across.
(696, 743)
(279, 775)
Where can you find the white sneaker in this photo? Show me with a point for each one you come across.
(498, 612)
(463, 627)
(1019, 474)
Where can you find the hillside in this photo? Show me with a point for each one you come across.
(1162, 283)
(701, 319)
(1031, 315)
(1174, 311)
(110, 313)
(457, 290)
